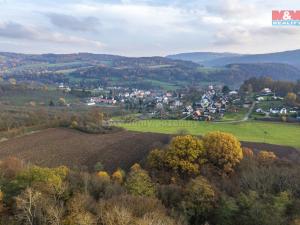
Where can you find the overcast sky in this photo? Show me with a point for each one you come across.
(144, 27)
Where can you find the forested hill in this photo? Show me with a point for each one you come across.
(90, 70)
(222, 59)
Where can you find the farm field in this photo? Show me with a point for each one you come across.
(61, 146)
(263, 132)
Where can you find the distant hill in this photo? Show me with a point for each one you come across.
(277, 71)
(88, 70)
(222, 59)
(200, 57)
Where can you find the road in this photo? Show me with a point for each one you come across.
(245, 118)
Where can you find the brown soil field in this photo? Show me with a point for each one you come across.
(61, 146)
(283, 152)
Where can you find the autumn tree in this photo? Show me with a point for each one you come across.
(266, 156)
(139, 182)
(199, 200)
(10, 167)
(290, 98)
(50, 178)
(78, 208)
(247, 152)
(118, 176)
(222, 150)
(104, 176)
(28, 206)
(62, 102)
(133, 210)
(97, 116)
(184, 156)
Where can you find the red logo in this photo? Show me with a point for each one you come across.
(286, 15)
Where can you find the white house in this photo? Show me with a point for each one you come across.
(283, 111)
(233, 93)
(266, 91)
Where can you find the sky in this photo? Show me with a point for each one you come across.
(144, 27)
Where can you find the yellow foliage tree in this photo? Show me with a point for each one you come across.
(223, 150)
(117, 176)
(184, 156)
(266, 156)
(135, 167)
(140, 183)
(103, 175)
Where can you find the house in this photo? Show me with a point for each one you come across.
(260, 98)
(259, 110)
(233, 93)
(274, 111)
(283, 111)
(266, 91)
(165, 100)
(188, 110)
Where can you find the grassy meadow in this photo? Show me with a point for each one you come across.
(272, 133)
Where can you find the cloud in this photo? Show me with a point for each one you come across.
(18, 31)
(231, 8)
(231, 36)
(146, 27)
(15, 30)
(73, 23)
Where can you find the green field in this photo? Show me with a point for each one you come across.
(273, 133)
(23, 97)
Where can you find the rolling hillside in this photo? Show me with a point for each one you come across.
(91, 70)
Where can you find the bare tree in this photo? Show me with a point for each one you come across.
(27, 204)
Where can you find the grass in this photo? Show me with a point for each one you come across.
(164, 85)
(21, 98)
(276, 133)
(235, 116)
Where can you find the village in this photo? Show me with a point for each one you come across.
(212, 104)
